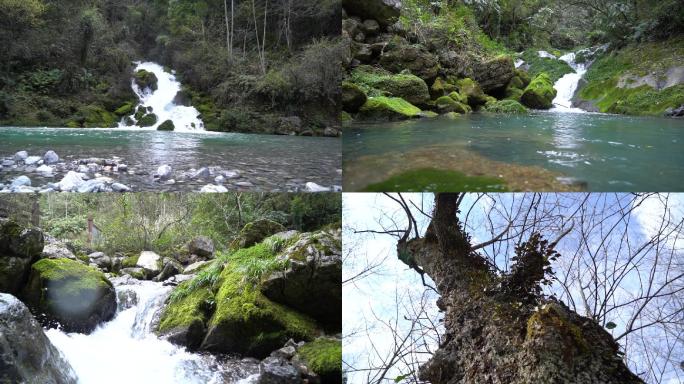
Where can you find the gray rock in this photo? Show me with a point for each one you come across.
(220, 179)
(101, 260)
(21, 181)
(32, 160)
(232, 174)
(118, 187)
(26, 354)
(194, 267)
(70, 182)
(170, 267)
(313, 187)
(201, 246)
(177, 279)
(20, 156)
(275, 370)
(57, 250)
(286, 352)
(8, 163)
(202, 173)
(126, 298)
(50, 157)
(386, 12)
(150, 261)
(210, 188)
(135, 272)
(164, 172)
(19, 248)
(46, 170)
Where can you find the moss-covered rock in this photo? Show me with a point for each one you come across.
(183, 320)
(324, 357)
(540, 93)
(19, 247)
(94, 116)
(398, 56)
(125, 109)
(255, 232)
(388, 108)
(495, 73)
(554, 68)
(513, 93)
(441, 88)
(166, 126)
(405, 85)
(353, 97)
(471, 89)
(505, 106)
(447, 104)
(69, 293)
(148, 120)
(145, 79)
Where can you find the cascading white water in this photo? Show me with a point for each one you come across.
(125, 350)
(567, 85)
(162, 100)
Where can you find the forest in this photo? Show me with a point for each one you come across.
(247, 66)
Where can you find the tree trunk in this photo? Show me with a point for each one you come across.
(500, 329)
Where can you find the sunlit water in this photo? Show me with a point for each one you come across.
(607, 152)
(269, 162)
(185, 118)
(125, 350)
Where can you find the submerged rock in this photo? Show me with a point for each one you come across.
(19, 247)
(26, 354)
(67, 293)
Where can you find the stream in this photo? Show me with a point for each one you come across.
(124, 350)
(591, 151)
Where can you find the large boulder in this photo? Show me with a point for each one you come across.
(323, 356)
(398, 56)
(150, 262)
(19, 247)
(201, 246)
(505, 106)
(405, 85)
(385, 12)
(312, 282)
(353, 97)
(55, 249)
(256, 231)
(472, 90)
(388, 108)
(101, 260)
(145, 79)
(540, 93)
(67, 293)
(26, 354)
(495, 74)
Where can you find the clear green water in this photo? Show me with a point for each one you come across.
(607, 152)
(270, 163)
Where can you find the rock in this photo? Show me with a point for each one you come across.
(324, 357)
(675, 112)
(150, 261)
(201, 246)
(471, 89)
(32, 160)
(311, 283)
(353, 97)
(100, 259)
(313, 187)
(232, 174)
(145, 79)
(50, 157)
(405, 85)
(70, 182)
(126, 298)
(370, 27)
(331, 132)
(177, 279)
(99, 184)
(220, 179)
(362, 52)
(118, 187)
(46, 170)
(276, 370)
(57, 250)
(26, 354)
(67, 293)
(202, 173)
(495, 74)
(505, 106)
(388, 108)
(135, 272)
(194, 267)
(244, 184)
(170, 267)
(148, 120)
(20, 156)
(446, 104)
(288, 125)
(385, 12)
(441, 88)
(211, 188)
(8, 163)
(255, 232)
(19, 247)
(164, 172)
(540, 93)
(286, 352)
(166, 126)
(399, 56)
(21, 181)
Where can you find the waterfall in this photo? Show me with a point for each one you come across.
(162, 102)
(124, 350)
(567, 85)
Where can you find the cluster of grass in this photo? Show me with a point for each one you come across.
(436, 180)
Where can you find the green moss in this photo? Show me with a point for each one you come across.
(345, 118)
(447, 104)
(552, 318)
(95, 116)
(463, 99)
(389, 108)
(554, 68)
(353, 96)
(441, 88)
(540, 93)
(436, 180)
(166, 126)
(505, 106)
(125, 109)
(471, 89)
(146, 79)
(323, 356)
(188, 311)
(130, 261)
(148, 120)
(74, 276)
(405, 85)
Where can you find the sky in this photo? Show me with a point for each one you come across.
(370, 303)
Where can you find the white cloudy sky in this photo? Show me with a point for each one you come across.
(370, 303)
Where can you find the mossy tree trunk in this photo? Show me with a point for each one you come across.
(499, 328)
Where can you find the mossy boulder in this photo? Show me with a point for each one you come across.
(495, 73)
(405, 85)
(353, 97)
(441, 88)
(447, 104)
(311, 282)
(388, 108)
(524, 77)
(505, 106)
(145, 79)
(246, 321)
(70, 294)
(471, 89)
(148, 120)
(125, 109)
(324, 357)
(540, 93)
(513, 93)
(19, 247)
(398, 56)
(255, 232)
(166, 126)
(94, 116)
(184, 319)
